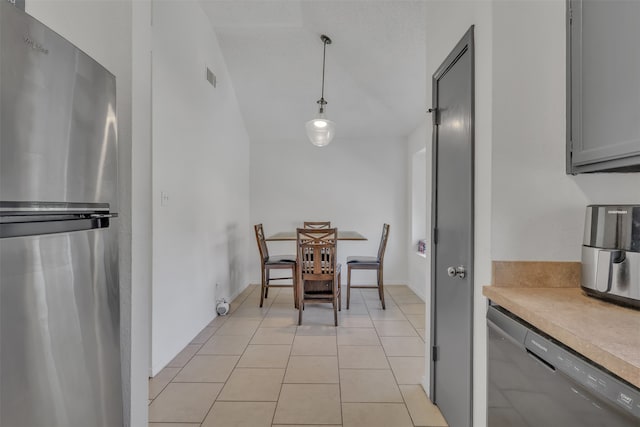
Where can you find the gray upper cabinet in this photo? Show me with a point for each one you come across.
(603, 86)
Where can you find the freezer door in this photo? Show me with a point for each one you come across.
(59, 330)
(57, 120)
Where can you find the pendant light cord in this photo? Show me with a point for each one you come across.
(325, 41)
(324, 58)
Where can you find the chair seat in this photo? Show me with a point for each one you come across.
(363, 260)
(369, 263)
(276, 262)
(280, 259)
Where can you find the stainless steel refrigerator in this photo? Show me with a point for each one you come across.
(59, 287)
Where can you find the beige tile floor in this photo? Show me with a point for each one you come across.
(256, 367)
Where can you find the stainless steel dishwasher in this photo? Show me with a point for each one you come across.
(535, 381)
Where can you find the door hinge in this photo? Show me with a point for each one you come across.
(434, 353)
(435, 236)
(570, 15)
(436, 115)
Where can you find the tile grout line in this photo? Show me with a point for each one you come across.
(394, 375)
(264, 316)
(201, 345)
(239, 358)
(273, 417)
(340, 378)
(180, 368)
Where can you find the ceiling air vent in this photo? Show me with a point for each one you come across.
(211, 78)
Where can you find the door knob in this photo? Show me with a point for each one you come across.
(459, 271)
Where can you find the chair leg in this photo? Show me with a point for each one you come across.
(335, 310)
(340, 291)
(381, 287)
(295, 286)
(348, 285)
(262, 286)
(266, 285)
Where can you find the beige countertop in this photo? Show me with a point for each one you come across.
(603, 332)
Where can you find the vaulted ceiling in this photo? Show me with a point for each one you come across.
(375, 67)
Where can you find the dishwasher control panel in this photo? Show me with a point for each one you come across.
(583, 372)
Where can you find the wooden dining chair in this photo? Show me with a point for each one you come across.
(274, 262)
(318, 271)
(369, 263)
(316, 224)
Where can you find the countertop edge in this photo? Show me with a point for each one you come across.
(581, 345)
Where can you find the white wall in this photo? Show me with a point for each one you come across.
(357, 185)
(419, 208)
(102, 29)
(538, 210)
(141, 230)
(200, 159)
(447, 21)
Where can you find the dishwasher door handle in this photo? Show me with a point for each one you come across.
(541, 361)
(504, 334)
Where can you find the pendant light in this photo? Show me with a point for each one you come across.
(320, 130)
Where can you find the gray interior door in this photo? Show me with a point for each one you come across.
(452, 247)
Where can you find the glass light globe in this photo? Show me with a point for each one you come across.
(320, 130)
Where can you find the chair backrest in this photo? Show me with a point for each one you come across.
(262, 244)
(317, 253)
(383, 242)
(317, 224)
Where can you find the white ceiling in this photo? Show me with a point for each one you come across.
(375, 68)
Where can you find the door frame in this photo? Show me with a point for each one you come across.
(466, 44)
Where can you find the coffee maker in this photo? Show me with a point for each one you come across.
(611, 253)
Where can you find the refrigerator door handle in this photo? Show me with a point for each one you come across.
(23, 229)
(103, 216)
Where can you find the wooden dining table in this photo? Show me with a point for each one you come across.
(283, 236)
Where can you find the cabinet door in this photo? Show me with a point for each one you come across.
(603, 86)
